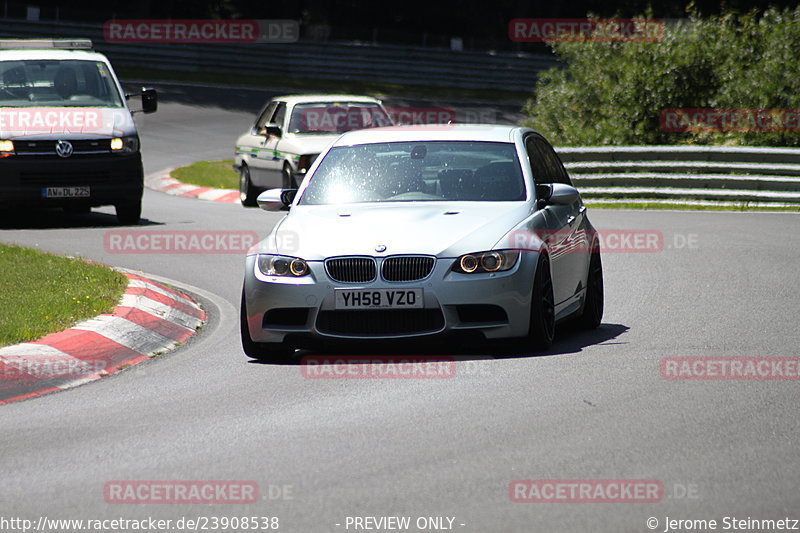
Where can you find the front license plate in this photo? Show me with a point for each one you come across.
(66, 192)
(379, 299)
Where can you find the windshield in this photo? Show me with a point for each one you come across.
(57, 83)
(337, 117)
(417, 171)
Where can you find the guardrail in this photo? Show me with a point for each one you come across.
(686, 173)
(311, 59)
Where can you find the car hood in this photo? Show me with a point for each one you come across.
(441, 228)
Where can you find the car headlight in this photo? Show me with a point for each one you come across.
(482, 262)
(125, 145)
(6, 148)
(281, 265)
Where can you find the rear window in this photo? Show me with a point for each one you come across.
(56, 83)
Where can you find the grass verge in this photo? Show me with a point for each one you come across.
(216, 174)
(282, 83)
(42, 293)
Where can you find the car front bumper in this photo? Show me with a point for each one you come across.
(496, 305)
(111, 179)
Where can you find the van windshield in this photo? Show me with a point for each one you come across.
(57, 83)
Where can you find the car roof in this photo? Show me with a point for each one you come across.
(309, 98)
(435, 132)
(34, 54)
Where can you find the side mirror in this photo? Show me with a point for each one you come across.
(563, 194)
(149, 100)
(273, 129)
(276, 199)
(556, 193)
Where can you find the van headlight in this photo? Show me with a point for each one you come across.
(482, 262)
(281, 265)
(125, 145)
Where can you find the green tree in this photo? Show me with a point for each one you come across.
(613, 93)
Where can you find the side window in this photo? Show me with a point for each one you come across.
(553, 163)
(542, 174)
(266, 115)
(280, 114)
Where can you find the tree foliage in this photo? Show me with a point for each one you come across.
(613, 93)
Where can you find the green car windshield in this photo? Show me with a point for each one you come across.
(337, 117)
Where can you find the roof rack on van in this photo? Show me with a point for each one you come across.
(61, 44)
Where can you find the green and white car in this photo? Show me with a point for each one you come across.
(291, 131)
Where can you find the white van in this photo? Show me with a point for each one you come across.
(67, 137)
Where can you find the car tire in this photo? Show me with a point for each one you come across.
(541, 330)
(592, 314)
(247, 191)
(129, 213)
(273, 352)
(288, 178)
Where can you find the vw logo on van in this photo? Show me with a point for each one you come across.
(64, 148)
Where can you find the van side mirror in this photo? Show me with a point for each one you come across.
(149, 100)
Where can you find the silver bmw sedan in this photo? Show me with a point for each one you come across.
(412, 231)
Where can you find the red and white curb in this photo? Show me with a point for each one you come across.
(149, 319)
(164, 182)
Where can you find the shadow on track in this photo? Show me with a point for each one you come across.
(57, 218)
(569, 340)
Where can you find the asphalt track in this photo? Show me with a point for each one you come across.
(594, 407)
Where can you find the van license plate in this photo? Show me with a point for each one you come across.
(66, 192)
